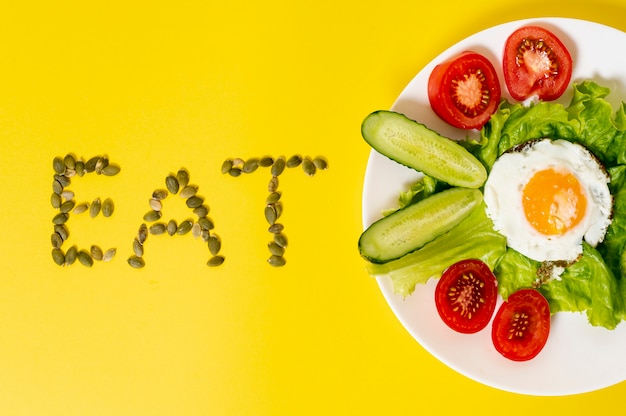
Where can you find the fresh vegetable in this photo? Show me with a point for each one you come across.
(536, 63)
(474, 237)
(521, 326)
(411, 227)
(465, 90)
(465, 296)
(414, 145)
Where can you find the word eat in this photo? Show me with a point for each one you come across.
(70, 167)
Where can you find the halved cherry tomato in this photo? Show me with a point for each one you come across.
(521, 326)
(465, 296)
(536, 62)
(464, 91)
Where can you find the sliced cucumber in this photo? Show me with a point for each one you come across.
(411, 227)
(414, 145)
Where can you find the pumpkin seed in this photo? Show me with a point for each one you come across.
(57, 188)
(308, 166)
(215, 244)
(62, 231)
(152, 216)
(184, 227)
(194, 201)
(67, 206)
(95, 208)
(136, 262)
(157, 228)
(108, 207)
(80, 168)
(238, 162)
(182, 176)
(58, 165)
(196, 230)
(159, 194)
(201, 211)
(280, 239)
(188, 191)
(60, 218)
(102, 163)
(272, 186)
(69, 173)
(234, 172)
(109, 254)
(206, 223)
(278, 207)
(273, 197)
(69, 161)
(270, 214)
(171, 183)
(80, 208)
(266, 161)
(276, 228)
(90, 165)
(55, 200)
(67, 194)
(275, 249)
(96, 252)
(227, 166)
(63, 180)
(142, 233)
(58, 256)
(278, 167)
(205, 235)
(215, 261)
(320, 163)
(250, 165)
(70, 256)
(84, 258)
(137, 248)
(172, 227)
(276, 261)
(56, 240)
(294, 161)
(155, 204)
(111, 170)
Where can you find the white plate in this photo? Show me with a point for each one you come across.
(577, 357)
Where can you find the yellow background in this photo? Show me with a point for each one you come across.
(162, 85)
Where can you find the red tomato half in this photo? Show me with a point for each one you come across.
(464, 91)
(521, 325)
(536, 62)
(466, 296)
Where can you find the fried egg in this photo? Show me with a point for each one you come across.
(546, 197)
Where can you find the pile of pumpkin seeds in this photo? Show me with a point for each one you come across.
(273, 205)
(62, 199)
(200, 227)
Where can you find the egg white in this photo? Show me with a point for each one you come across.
(503, 198)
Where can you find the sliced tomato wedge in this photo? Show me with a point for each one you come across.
(521, 326)
(536, 62)
(465, 296)
(465, 90)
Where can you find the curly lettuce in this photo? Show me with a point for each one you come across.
(595, 284)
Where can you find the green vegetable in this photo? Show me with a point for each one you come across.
(473, 237)
(596, 284)
(416, 146)
(413, 226)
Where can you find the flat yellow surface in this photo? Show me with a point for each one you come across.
(158, 86)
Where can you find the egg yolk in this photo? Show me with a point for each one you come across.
(554, 201)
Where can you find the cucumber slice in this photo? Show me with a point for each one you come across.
(411, 227)
(414, 145)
